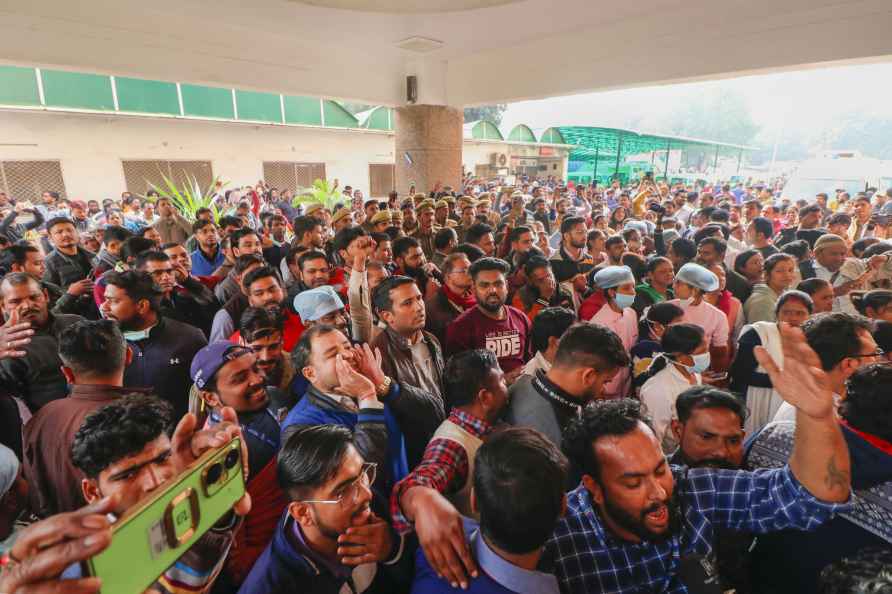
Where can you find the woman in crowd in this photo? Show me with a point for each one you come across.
(651, 327)
(685, 356)
(618, 287)
(876, 304)
(594, 243)
(821, 293)
(657, 285)
(618, 219)
(749, 265)
(747, 376)
(779, 276)
(692, 282)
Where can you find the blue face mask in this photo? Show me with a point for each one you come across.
(701, 363)
(623, 300)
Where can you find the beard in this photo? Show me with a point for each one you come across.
(720, 463)
(637, 526)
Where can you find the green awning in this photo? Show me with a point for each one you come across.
(591, 140)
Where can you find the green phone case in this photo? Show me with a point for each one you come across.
(151, 537)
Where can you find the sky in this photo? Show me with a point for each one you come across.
(802, 99)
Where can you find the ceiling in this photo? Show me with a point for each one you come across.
(491, 50)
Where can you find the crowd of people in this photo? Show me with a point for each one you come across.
(548, 387)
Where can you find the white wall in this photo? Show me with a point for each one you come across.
(91, 147)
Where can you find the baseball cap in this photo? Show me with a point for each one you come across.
(208, 361)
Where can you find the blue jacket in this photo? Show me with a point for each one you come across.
(378, 435)
(201, 266)
(284, 569)
(836, 538)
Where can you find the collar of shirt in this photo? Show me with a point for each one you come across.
(512, 577)
(103, 391)
(474, 425)
(554, 393)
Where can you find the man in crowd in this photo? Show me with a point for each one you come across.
(412, 262)
(171, 225)
(571, 259)
(492, 324)
(226, 319)
(545, 335)
(630, 499)
(264, 289)
(759, 234)
(28, 259)
(261, 331)
(437, 492)
(315, 272)
(162, 347)
(588, 356)
(330, 539)
(452, 298)
(481, 235)
(69, 266)
(426, 231)
(126, 452)
(445, 241)
(186, 301)
(865, 424)
(844, 344)
(322, 306)
(208, 257)
(518, 495)
(228, 379)
(410, 357)
(36, 377)
(541, 290)
(93, 355)
(341, 393)
(861, 219)
(709, 432)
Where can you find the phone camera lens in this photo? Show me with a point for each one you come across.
(214, 473)
(231, 459)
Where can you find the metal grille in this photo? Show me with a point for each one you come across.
(287, 175)
(140, 175)
(27, 180)
(381, 180)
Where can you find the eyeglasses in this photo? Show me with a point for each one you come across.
(351, 492)
(877, 353)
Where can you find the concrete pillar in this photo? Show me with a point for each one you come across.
(428, 147)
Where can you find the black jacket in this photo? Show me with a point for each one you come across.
(162, 361)
(37, 378)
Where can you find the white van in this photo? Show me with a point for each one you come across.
(845, 170)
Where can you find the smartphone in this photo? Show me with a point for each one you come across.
(150, 537)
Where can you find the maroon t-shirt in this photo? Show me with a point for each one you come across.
(508, 338)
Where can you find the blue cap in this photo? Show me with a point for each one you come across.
(697, 276)
(613, 276)
(208, 361)
(315, 303)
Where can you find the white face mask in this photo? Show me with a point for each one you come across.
(701, 363)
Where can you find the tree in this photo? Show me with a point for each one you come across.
(721, 115)
(492, 113)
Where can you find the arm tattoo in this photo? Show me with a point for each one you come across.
(836, 478)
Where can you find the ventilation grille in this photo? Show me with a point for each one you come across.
(27, 180)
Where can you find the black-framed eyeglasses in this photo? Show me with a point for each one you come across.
(877, 353)
(350, 493)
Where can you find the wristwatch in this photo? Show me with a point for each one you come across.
(384, 387)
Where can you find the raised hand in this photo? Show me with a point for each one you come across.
(802, 382)
(14, 334)
(351, 383)
(45, 549)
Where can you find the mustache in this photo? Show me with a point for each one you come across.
(716, 463)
